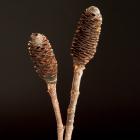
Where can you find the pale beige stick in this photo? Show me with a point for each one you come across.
(78, 71)
(55, 103)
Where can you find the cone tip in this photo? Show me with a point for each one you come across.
(37, 38)
(93, 10)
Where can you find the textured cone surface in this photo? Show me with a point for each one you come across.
(43, 57)
(86, 36)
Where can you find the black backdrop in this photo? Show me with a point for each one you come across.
(109, 102)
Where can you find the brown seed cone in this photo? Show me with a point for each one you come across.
(86, 37)
(43, 57)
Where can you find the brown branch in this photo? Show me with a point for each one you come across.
(78, 71)
(55, 103)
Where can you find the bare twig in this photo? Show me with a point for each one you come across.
(78, 71)
(55, 103)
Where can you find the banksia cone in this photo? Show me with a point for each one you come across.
(43, 57)
(87, 35)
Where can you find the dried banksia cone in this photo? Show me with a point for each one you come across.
(83, 49)
(86, 37)
(45, 65)
(43, 57)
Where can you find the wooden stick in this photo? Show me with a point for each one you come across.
(78, 71)
(55, 103)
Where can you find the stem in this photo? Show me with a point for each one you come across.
(55, 103)
(78, 71)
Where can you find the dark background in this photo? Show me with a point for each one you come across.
(110, 92)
